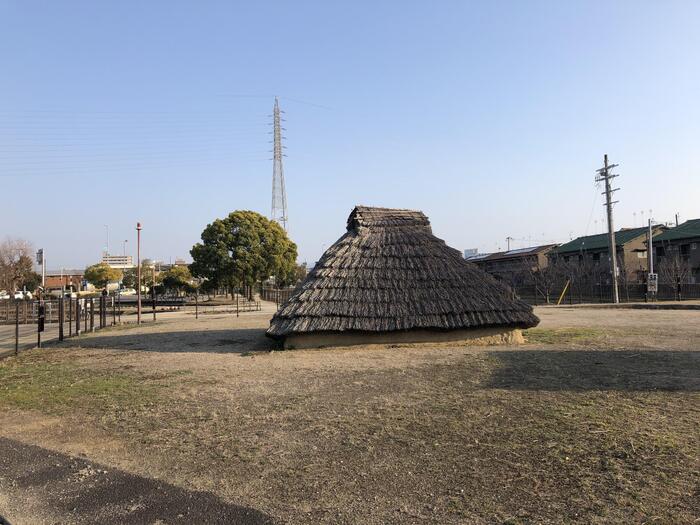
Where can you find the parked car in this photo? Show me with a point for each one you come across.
(127, 291)
(19, 294)
(4, 294)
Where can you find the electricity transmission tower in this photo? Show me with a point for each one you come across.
(604, 175)
(279, 194)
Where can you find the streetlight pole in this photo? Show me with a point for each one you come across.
(138, 273)
(124, 243)
(41, 260)
(153, 290)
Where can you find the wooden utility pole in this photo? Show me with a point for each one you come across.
(605, 176)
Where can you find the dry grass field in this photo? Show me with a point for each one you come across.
(595, 420)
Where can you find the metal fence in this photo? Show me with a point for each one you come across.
(578, 293)
(278, 296)
(238, 304)
(26, 324)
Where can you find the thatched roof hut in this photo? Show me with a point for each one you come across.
(389, 279)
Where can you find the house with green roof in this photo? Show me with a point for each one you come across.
(677, 253)
(589, 255)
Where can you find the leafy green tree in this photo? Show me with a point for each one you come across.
(243, 249)
(130, 277)
(101, 274)
(300, 272)
(177, 278)
(31, 281)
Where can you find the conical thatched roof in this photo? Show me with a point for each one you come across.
(389, 273)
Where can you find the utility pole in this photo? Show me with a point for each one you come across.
(604, 175)
(508, 239)
(138, 273)
(279, 194)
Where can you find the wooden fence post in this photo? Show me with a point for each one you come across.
(77, 317)
(17, 329)
(92, 314)
(60, 319)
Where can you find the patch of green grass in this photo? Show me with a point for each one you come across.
(60, 387)
(551, 336)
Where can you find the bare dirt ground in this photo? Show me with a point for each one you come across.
(595, 420)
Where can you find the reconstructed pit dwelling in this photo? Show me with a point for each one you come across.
(390, 280)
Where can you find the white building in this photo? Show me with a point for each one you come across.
(118, 261)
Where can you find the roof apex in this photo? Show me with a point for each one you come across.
(375, 217)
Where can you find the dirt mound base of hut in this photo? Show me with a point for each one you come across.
(478, 337)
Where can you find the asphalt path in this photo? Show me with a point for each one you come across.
(27, 336)
(39, 486)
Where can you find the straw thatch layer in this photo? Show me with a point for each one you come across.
(389, 273)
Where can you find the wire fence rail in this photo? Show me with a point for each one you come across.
(581, 293)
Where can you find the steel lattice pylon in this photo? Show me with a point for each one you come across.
(279, 194)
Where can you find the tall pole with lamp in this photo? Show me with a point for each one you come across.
(138, 273)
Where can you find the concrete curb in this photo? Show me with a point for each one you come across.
(630, 306)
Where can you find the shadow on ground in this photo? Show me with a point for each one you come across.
(73, 490)
(239, 341)
(597, 370)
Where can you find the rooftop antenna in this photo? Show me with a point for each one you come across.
(279, 194)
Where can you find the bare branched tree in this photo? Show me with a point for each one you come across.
(15, 263)
(674, 270)
(544, 277)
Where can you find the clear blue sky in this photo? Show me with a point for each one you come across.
(489, 116)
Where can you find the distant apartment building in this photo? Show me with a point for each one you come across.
(514, 266)
(589, 255)
(677, 253)
(118, 261)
